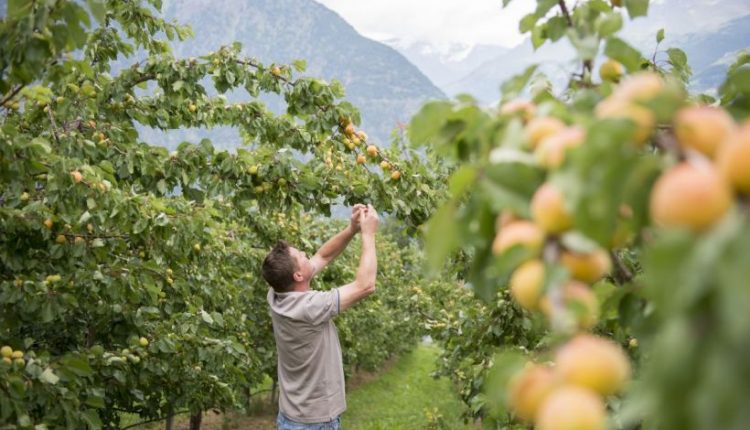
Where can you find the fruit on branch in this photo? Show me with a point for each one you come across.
(690, 196)
(703, 128)
(143, 342)
(276, 71)
(386, 166)
(6, 351)
(642, 117)
(571, 408)
(523, 233)
(640, 87)
(60, 239)
(349, 130)
(588, 268)
(361, 159)
(540, 128)
(526, 284)
(396, 175)
(524, 108)
(192, 107)
(79, 240)
(362, 135)
(594, 363)
(48, 223)
(551, 151)
(528, 390)
(548, 209)
(372, 150)
(734, 160)
(579, 305)
(611, 70)
(77, 176)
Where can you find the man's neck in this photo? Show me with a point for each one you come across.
(301, 287)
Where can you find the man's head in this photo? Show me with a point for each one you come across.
(285, 267)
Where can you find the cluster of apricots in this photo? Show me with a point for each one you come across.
(711, 166)
(352, 139)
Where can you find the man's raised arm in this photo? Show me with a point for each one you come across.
(335, 245)
(364, 283)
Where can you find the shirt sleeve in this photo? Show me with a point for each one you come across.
(321, 306)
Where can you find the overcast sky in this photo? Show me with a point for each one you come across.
(436, 22)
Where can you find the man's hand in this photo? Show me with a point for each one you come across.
(368, 220)
(356, 210)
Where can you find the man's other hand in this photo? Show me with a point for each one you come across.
(369, 220)
(356, 211)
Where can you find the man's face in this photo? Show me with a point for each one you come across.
(304, 266)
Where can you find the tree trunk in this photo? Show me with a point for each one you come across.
(169, 423)
(249, 401)
(195, 421)
(274, 399)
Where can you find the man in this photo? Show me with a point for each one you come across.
(311, 374)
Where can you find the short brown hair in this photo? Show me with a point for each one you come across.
(279, 267)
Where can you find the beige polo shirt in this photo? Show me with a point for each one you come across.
(311, 374)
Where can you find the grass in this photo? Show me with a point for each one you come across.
(400, 398)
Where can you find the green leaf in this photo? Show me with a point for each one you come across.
(428, 122)
(461, 180)
(528, 22)
(619, 50)
(206, 317)
(660, 35)
(19, 8)
(637, 8)
(49, 377)
(98, 9)
(608, 24)
(513, 86)
(442, 236)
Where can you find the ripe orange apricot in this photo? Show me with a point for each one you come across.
(594, 363)
(703, 128)
(551, 151)
(548, 209)
(540, 128)
(580, 305)
(571, 408)
(640, 87)
(642, 118)
(525, 108)
(523, 233)
(526, 284)
(734, 160)
(588, 268)
(690, 196)
(528, 390)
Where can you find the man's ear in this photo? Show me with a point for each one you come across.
(298, 277)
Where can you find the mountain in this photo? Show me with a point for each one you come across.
(378, 80)
(710, 40)
(442, 64)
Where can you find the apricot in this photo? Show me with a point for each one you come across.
(540, 128)
(734, 160)
(642, 117)
(523, 233)
(690, 196)
(611, 70)
(640, 87)
(589, 267)
(571, 408)
(526, 284)
(528, 390)
(551, 151)
(594, 363)
(548, 209)
(579, 303)
(524, 108)
(703, 128)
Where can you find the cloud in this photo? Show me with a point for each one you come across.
(437, 22)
